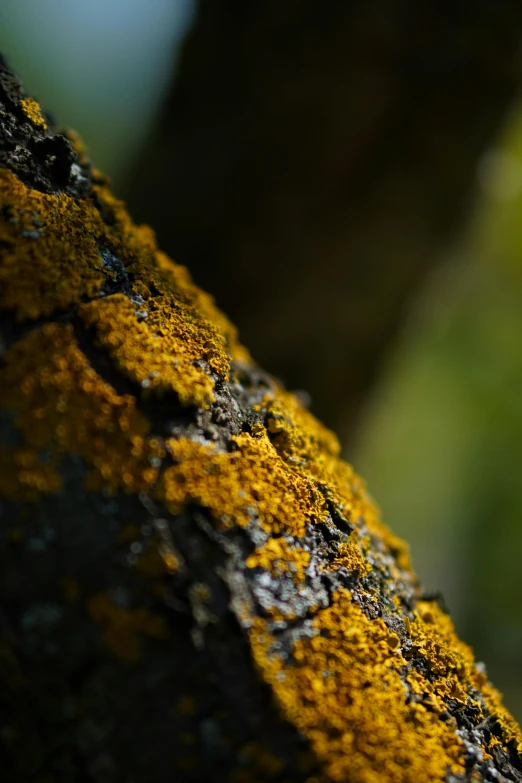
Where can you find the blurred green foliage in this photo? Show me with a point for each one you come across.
(441, 447)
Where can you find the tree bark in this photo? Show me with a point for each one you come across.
(194, 585)
(312, 163)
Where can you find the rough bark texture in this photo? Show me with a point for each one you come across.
(194, 585)
(312, 163)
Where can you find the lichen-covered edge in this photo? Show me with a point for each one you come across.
(115, 368)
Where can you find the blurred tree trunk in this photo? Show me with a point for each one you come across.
(313, 160)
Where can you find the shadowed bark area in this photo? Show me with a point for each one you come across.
(195, 586)
(312, 162)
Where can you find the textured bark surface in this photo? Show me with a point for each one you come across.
(194, 585)
(313, 162)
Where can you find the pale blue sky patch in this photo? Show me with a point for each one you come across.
(101, 66)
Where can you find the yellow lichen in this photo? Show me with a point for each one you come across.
(33, 112)
(49, 258)
(298, 436)
(178, 305)
(252, 480)
(343, 689)
(344, 692)
(179, 278)
(452, 660)
(350, 556)
(61, 406)
(306, 445)
(158, 353)
(278, 557)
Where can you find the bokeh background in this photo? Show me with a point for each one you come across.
(379, 268)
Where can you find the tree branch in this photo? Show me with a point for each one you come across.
(195, 586)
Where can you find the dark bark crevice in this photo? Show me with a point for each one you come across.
(42, 158)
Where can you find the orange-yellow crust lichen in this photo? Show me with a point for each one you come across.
(158, 353)
(278, 557)
(61, 406)
(49, 258)
(343, 691)
(310, 448)
(51, 261)
(233, 485)
(350, 555)
(33, 112)
(434, 637)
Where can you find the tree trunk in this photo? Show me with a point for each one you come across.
(195, 586)
(312, 162)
